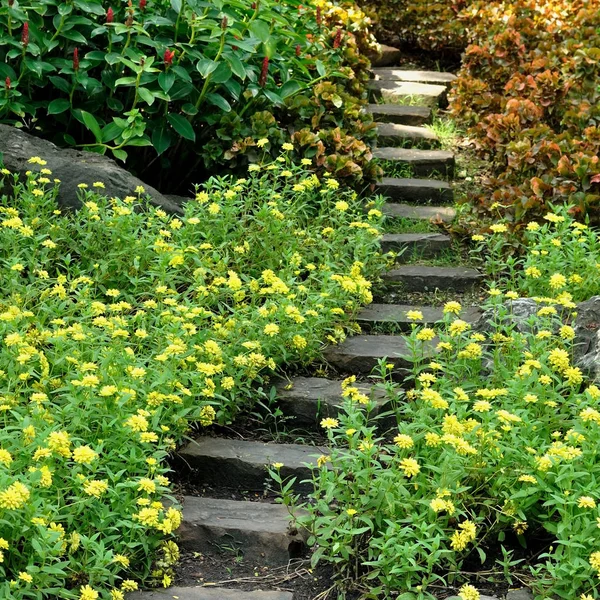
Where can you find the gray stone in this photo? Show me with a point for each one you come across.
(309, 399)
(481, 597)
(521, 311)
(431, 77)
(521, 594)
(422, 244)
(263, 532)
(415, 278)
(420, 213)
(587, 337)
(419, 191)
(362, 353)
(424, 163)
(73, 167)
(396, 314)
(422, 93)
(388, 56)
(393, 133)
(398, 113)
(207, 593)
(242, 463)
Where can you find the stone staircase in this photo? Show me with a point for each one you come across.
(262, 529)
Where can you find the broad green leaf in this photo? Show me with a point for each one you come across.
(112, 58)
(65, 8)
(273, 97)
(90, 7)
(90, 122)
(110, 132)
(120, 154)
(261, 30)
(320, 68)
(206, 66)
(176, 5)
(125, 81)
(237, 66)
(289, 88)
(221, 74)
(146, 95)
(161, 139)
(58, 106)
(166, 81)
(182, 126)
(139, 141)
(74, 36)
(189, 109)
(219, 101)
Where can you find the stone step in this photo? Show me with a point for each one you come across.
(241, 464)
(430, 77)
(423, 163)
(393, 133)
(207, 593)
(416, 278)
(419, 191)
(445, 214)
(362, 353)
(418, 93)
(262, 531)
(423, 244)
(395, 314)
(310, 399)
(397, 113)
(389, 56)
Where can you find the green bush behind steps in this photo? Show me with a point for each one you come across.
(187, 85)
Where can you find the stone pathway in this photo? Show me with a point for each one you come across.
(262, 531)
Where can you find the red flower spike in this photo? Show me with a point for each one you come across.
(298, 50)
(168, 57)
(10, 3)
(7, 83)
(110, 15)
(253, 6)
(319, 18)
(25, 34)
(143, 5)
(338, 38)
(263, 74)
(76, 60)
(224, 23)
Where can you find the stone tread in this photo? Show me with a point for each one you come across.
(263, 531)
(394, 131)
(309, 399)
(417, 278)
(389, 56)
(207, 593)
(396, 314)
(242, 463)
(398, 113)
(423, 162)
(428, 95)
(362, 353)
(430, 77)
(424, 244)
(421, 213)
(415, 190)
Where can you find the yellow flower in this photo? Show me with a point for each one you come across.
(426, 334)
(329, 423)
(287, 146)
(341, 205)
(23, 576)
(271, 329)
(586, 502)
(557, 281)
(414, 315)
(468, 592)
(84, 455)
(403, 441)
(87, 593)
(498, 228)
(262, 142)
(351, 512)
(595, 561)
(410, 467)
(527, 479)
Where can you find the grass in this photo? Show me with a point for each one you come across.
(446, 130)
(404, 100)
(401, 225)
(452, 257)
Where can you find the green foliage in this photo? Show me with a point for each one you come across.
(121, 325)
(187, 83)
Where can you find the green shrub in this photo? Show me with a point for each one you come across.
(120, 326)
(188, 84)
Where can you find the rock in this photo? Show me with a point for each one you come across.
(73, 167)
(398, 113)
(587, 337)
(415, 190)
(431, 77)
(420, 244)
(394, 133)
(415, 278)
(522, 594)
(263, 532)
(419, 93)
(396, 314)
(423, 163)
(388, 56)
(207, 593)
(420, 213)
(521, 309)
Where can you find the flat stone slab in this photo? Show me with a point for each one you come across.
(310, 399)
(390, 133)
(395, 314)
(207, 593)
(241, 464)
(416, 278)
(422, 213)
(520, 594)
(419, 191)
(361, 353)
(431, 77)
(423, 93)
(389, 56)
(397, 113)
(423, 244)
(262, 531)
(424, 163)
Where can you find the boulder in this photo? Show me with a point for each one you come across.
(587, 337)
(73, 167)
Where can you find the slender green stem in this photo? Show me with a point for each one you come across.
(209, 76)
(178, 20)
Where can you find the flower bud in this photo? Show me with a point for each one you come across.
(25, 34)
(76, 60)
(263, 74)
(143, 5)
(224, 23)
(338, 38)
(7, 83)
(110, 15)
(168, 57)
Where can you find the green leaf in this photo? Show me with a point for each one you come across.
(90, 122)
(90, 7)
(189, 109)
(74, 36)
(65, 8)
(176, 5)
(139, 141)
(161, 139)
(222, 73)
(289, 88)
(219, 101)
(120, 155)
(58, 106)
(261, 30)
(166, 81)
(112, 58)
(206, 66)
(320, 68)
(111, 132)
(237, 66)
(182, 126)
(273, 97)
(146, 95)
(125, 81)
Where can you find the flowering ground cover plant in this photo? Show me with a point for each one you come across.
(121, 326)
(527, 93)
(189, 84)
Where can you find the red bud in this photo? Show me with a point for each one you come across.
(7, 83)
(25, 34)
(263, 74)
(168, 57)
(76, 59)
(319, 18)
(338, 38)
(224, 23)
(143, 5)
(110, 15)
(298, 50)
